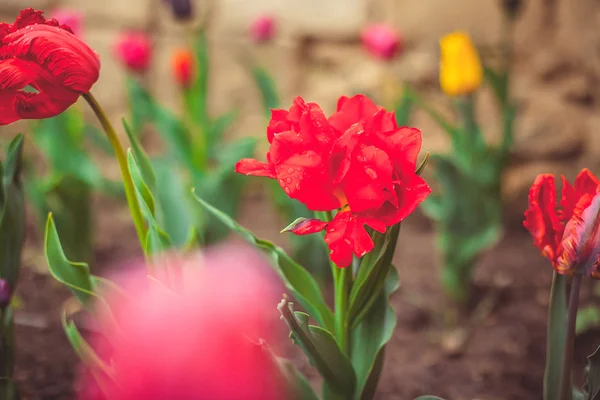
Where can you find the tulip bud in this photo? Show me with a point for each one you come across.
(70, 18)
(182, 9)
(5, 293)
(262, 29)
(134, 50)
(461, 72)
(381, 41)
(512, 8)
(182, 67)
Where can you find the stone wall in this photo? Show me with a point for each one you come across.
(317, 54)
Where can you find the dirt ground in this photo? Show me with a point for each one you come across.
(504, 359)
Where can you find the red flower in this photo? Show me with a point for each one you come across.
(358, 161)
(134, 50)
(567, 235)
(381, 41)
(47, 57)
(182, 65)
(263, 29)
(194, 341)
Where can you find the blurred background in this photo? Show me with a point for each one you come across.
(317, 53)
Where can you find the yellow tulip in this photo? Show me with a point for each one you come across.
(460, 68)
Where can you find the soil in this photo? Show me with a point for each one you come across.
(503, 359)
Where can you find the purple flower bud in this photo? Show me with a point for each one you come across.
(182, 9)
(5, 293)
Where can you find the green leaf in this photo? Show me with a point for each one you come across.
(592, 382)
(199, 106)
(404, 108)
(141, 157)
(223, 186)
(147, 203)
(322, 350)
(12, 212)
(98, 139)
(85, 352)
(175, 212)
(175, 135)
(454, 132)
(156, 240)
(587, 318)
(556, 337)
(370, 337)
(219, 126)
(268, 89)
(499, 84)
(298, 387)
(141, 104)
(61, 140)
(75, 275)
(69, 201)
(302, 285)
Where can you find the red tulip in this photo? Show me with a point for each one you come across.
(568, 235)
(46, 56)
(198, 341)
(263, 29)
(358, 161)
(182, 65)
(381, 41)
(134, 50)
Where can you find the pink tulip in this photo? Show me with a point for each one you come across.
(134, 50)
(263, 29)
(381, 41)
(73, 19)
(198, 341)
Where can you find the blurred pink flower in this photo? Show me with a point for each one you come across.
(381, 41)
(263, 28)
(198, 341)
(134, 50)
(72, 18)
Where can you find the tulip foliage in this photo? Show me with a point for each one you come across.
(196, 154)
(12, 237)
(72, 176)
(467, 211)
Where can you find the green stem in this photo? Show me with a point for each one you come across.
(343, 282)
(130, 193)
(196, 129)
(565, 381)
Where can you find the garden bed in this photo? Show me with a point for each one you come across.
(504, 359)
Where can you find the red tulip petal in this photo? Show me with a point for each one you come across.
(541, 218)
(303, 177)
(352, 110)
(305, 226)
(580, 246)
(250, 166)
(368, 183)
(409, 195)
(59, 52)
(345, 235)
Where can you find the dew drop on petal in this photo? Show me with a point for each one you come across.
(290, 170)
(282, 182)
(297, 186)
(288, 180)
(287, 190)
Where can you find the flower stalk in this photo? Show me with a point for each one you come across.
(130, 191)
(565, 381)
